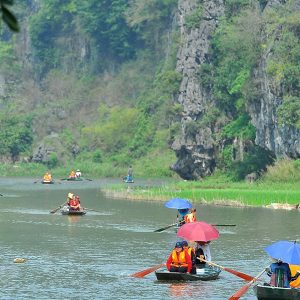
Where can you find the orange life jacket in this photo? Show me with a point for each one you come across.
(190, 218)
(179, 260)
(72, 174)
(295, 283)
(47, 177)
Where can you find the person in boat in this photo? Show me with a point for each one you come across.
(72, 174)
(280, 274)
(202, 251)
(191, 216)
(73, 202)
(181, 214)
(78, 173)
(191, 252)
(47, 177)
(179, 260)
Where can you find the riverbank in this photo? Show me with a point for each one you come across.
(214, 192)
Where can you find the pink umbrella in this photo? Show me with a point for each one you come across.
(198, 231)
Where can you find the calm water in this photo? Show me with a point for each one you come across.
(90, 257)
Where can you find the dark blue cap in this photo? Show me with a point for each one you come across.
(184, 243)
(178, 245)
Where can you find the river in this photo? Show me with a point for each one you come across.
(91, 257)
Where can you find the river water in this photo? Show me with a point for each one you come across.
(91, 257)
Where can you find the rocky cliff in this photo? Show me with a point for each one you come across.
(197, 152)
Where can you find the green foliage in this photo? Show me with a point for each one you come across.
(8, 63)
(7, 16)
(255, 160)
(194, 18)
(168, 81)
(241, 127)
(97, 156)
(289, 112)
(52, 161)
(234, 7)
(15, 135)
(283, 170)
(104, 21)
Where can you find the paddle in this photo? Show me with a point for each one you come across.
(1, 195)
(239, 274)
(223, 224)
(88, 179)
(164, 228)
(244, 288)
(56, 209)
(143, 273)
(92, 209)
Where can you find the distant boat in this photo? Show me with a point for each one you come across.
(47, 182)
(67, 211)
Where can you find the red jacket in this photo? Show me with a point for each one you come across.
(188, 261)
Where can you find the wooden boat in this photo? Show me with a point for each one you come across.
(47, 182)
(74, 179)
(205, 274)
(67, 211)
(264, 292)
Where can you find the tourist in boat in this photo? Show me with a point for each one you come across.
(280, 274)
(191, 252)
(78, 173)
(202, 251)
(191, 216)
(179, 260)
(73, 202)
(72, 174)
(181, 214)
(47, 177)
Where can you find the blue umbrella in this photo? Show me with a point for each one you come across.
(178, 203)
(285, 251)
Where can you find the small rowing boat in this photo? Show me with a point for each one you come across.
(74, 179)
(67, 211)
(265, 292)
(205, 274)
(47, 182)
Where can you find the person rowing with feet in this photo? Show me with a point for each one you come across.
(73, 202)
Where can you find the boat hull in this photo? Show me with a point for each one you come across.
(74, 179)
(47, 182)
(205, 274)
(66, 211)
(276, 293)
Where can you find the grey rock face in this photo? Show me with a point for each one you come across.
(195, 153)
(283, 141)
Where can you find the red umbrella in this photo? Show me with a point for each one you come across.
(198, 231)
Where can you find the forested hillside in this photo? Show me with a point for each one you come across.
(103, 84)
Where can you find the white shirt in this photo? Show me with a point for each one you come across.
(78, 174)
(206, 251)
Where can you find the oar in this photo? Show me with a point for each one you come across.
(56, 209)
(92, 209)
(1, 195)
(164, 228)
(88, 179)
(223, 224)
(143, 273)
(237, 295)
(239, 274)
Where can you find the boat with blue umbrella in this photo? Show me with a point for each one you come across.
(289, 253)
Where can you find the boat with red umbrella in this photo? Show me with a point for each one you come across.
(196, 231)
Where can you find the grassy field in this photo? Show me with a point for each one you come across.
(214, 191)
